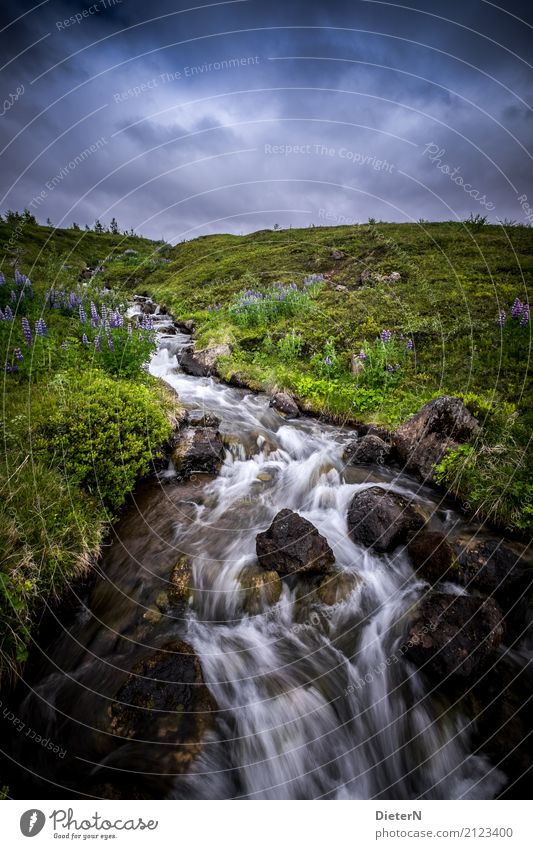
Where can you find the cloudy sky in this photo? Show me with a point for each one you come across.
(182, 119)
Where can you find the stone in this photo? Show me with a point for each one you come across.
(164, 700)
(285, 403)
(369, 449)
(432, 557)
(202, 418)
(381, 520)
(259, 589)
(293, 545)
(334, 589)
(180, 584)
(203, 363)
(424, 439)
(199, 450)
(454, 635)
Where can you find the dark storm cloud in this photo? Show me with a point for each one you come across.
(235, 116)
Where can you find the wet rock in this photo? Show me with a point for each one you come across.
(285, 403)
(164, 700)
(382, 520)
(454, 635)
(491, 567)
(148, 308)
(180, 586)
(260, 589)
(375, 430)
(369, 449)
(185, 325)
(199, 450)
(202, 418)
(432, 557)
(152, 615)
(203, 363)
(237, 380)
(336, 588)
(292, 545)
(438, 427)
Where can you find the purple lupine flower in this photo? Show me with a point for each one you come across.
(73, 300)
(103, 310)
(13, 296)
(130, 329)
(41, 328)
(18, 354)
(516, 309)
(397, 366)
(84, 339)
(209, 308)
(328, 361)
(362, 355)
(501, 318)
(410, 345)
(385, 336)
(2, 278)
(110, 343)
(2, 316)
(97, 344)
(19, 278)
(389, 368)
(8, 313)
(26, 330)
(525, 316)
(83, 317)
(94, 315)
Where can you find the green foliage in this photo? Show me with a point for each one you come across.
(255, 308)
(290, 346)
(104, 433)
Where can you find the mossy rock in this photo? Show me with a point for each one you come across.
(334, 589)
(259, 589)
(180, 588)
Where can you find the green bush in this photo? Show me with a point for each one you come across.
(104, 433)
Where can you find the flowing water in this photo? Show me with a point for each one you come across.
(314, 701)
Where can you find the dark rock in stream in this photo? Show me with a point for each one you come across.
(432, 557)
(381, 520)
(292, 545)
(454, 635)
(165, 701)
(203, 363)
(367, 450)
(285, 403)
(180, 584)
(199, 450)
(202, 418)
(439, 426)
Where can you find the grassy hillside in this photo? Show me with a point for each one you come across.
(455, 278)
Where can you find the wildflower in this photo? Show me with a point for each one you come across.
(8, 313)
(26, 330)
(362, 355)
(525, 316)
(516, 309)
(84, 339)
(2, 278)
(130, 329)
(18, 354)
(385, 336)
(110, 343)
(103, 310)
(397, 366)
(13, 296)
(64, 346)
(501, 318)
(389, 368)
(83, 316)
(97, 344)
(328, 361)
(410, 345)
(94, 315)
(41, 328)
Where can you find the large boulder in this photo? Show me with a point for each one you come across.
(199, 450)
(439, 426)
(292, 545)
(491, 567)
(454, 635)
(164, 700)
(285, 403)
(381, 520)
(432, 557)
(367, 450)
(203, 363)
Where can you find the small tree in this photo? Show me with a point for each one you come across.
(114, 226)
(49, 222)
(98, 226)
(75, 226)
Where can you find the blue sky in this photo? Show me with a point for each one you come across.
(182, 121)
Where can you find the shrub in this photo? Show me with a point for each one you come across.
(253, 307)
(289, 346)
(104, 433)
